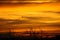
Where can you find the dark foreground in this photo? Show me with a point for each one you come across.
(8, 36)
(28, 38)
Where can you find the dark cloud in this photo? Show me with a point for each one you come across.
(33, 18)
(22, 1)
(36, 18)
(58, 12)
(19, 22)
(14, 21)
(10, 23)
(56, 24)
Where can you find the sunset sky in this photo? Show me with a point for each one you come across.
(48, 13)
(36, 13)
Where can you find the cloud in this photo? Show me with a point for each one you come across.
(35, 18)
(13, 21)
(56, 12)
(41, 18)
(19, 22)
(9, 23)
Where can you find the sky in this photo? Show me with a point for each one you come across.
(30, 15)
(48, 13)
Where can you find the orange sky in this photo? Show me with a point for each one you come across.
(48, 12)
(32, 10)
